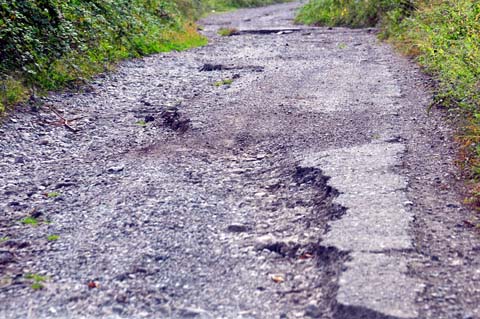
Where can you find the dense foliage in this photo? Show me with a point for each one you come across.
(352, 13)
(46, 44)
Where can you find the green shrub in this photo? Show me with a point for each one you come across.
(221, 5)
(47, 44)
(352, 13)
(445, 35)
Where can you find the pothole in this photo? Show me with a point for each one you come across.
(355, 312)
(209, 67)
(174, 120)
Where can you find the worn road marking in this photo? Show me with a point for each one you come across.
(375, 225)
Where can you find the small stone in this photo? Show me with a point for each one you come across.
(278, 278)
(190, 312)
(118, 309)
(313, 311)
(265, 240)
(6, 257)
(121, 298)
(456, 262)
(238, 171)
(116, 169)
(237, 228)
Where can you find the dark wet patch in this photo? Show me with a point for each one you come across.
(209, 67)
(324, 201)
(174, 120)
(356, 312)
(283, 249)
(237, 228)
(270, 31)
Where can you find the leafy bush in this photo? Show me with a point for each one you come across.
(445, 35)
(232, 4)
(46, 44)
(445, 38)
(352, 13)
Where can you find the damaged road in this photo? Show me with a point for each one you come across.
(284, 172)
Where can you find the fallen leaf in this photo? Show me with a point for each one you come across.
(278, 279)
(305, 256)
(92, 284)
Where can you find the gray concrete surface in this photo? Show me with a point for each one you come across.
(376, 223)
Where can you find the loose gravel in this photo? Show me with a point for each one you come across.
(177, 195)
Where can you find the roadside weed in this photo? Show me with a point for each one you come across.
(53, 237)
(226, 32)
(223, 82)
(37, 280)
(141, 123)
(53, 194)
(29, 221)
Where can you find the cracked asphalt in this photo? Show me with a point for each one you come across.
(314, 185)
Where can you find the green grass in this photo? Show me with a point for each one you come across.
(32, 221)
(53, 194)
(53, 237)
(227, 5)
(223, 82)
(141, 123)
(351, 13)
(37, 280)
(50, 44)
(36, 286)
(226, 32)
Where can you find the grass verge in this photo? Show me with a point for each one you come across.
(443, 36)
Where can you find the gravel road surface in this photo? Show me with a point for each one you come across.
(281, 172)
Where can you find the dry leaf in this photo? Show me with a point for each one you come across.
(305, 256)
(92, 284)
(278, 279)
